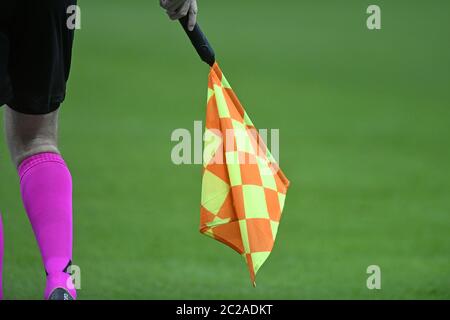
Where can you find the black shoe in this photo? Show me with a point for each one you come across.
(60, 294)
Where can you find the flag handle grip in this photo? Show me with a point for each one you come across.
(200, 42)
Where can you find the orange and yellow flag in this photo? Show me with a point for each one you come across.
(243, 189)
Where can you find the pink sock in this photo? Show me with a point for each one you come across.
(46, 187)
(1, 257)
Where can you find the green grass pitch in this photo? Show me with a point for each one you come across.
(364, 122)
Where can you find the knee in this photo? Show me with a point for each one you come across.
(26, 143)
(28, 135)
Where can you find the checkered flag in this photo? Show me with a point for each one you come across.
(243, 189)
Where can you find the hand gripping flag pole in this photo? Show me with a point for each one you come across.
(243, 189)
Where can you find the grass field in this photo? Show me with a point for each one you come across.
(364, 121)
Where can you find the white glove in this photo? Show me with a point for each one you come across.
(177, 9)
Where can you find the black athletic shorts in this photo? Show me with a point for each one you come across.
(35, 54)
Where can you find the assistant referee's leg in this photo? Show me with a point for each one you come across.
(46, 188)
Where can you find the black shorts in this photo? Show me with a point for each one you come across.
(35, 54)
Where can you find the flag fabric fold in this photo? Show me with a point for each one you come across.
(243, 188)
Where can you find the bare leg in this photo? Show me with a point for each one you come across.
(27, 135)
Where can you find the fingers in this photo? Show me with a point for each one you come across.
(174, 5)
(192, 19)
(177, 9)
(176, 12)
(180, 12)
(171, 5)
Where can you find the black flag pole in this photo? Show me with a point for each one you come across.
(200, 42)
